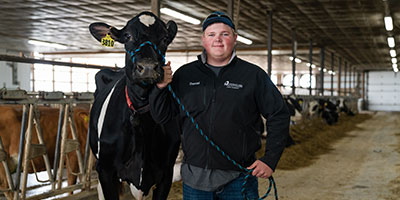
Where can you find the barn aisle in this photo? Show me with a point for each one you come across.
(364, 165)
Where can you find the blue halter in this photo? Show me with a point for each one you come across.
(134, 52)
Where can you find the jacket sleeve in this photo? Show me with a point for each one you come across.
(162, 105)
(273, 108)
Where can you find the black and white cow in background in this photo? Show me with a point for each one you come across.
(295, 109)
(328, 111)
(294, 105)
(128, 144)
(342, 106)
(325, 109)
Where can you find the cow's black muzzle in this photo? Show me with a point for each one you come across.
(147, 69)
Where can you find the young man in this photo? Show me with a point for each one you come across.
(226, 96)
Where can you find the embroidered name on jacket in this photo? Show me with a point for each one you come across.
(194, 83)
(230, 85)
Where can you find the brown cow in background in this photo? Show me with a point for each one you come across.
(10, 127)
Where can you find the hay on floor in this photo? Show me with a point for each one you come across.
(313, 138)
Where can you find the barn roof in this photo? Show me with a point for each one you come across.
(351, 29)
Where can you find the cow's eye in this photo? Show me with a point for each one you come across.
(127, 36)
(165, 40)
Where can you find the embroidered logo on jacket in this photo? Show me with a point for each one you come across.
(230, 85)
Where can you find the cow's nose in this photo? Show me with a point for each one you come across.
(144, 68)
(140, 68)
(147, 71)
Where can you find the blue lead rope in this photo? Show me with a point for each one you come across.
(134, 52)
(248, 171)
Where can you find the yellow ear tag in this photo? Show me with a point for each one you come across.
(107, 41)
(86, 119)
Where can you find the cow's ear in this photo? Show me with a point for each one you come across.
(84, 117)
(99, 30)
(172, 29)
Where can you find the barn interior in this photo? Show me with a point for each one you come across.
(327, 37)
(312, 49)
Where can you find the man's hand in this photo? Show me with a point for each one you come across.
(260, 169)
(167, 76)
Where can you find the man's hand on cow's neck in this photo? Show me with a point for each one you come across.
(167, 76)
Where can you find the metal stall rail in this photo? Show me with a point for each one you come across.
(28, 151)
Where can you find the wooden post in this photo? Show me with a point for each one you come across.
(155, 7)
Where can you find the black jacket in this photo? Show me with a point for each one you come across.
(227, 109)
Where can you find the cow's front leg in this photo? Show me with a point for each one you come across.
(161, 190)
(108, 182)
(163, 187)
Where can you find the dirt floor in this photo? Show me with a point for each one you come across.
(365, 164)
(359, 163)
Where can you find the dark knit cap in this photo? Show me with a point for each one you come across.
(218, 17)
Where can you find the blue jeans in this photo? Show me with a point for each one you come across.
(230, 191)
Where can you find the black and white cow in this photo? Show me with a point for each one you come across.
(325, 109)
(295, 108)
(328, 111)
(128, 144)
(342, 107)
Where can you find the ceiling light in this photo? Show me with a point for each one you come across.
(47, 44)
(244, 40)
(393, 53)
(178, 15)
(396, 69)
(394, 60)
(394, 66)
(275, 52)
(390, 42)
(297, 60)
(388, 23)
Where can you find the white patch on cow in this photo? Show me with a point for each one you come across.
(138, 194)
(100, 192)
(297, 117)
(147, 20)
(177, 172)
(341, 104)
(140, 178)
(101, 118)
(177, 167)
(312, 113)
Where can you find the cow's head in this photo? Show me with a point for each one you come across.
(146, 39)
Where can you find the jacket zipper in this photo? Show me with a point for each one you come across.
(211, 129)
(244, 147)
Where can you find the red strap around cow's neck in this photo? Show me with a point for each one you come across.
(128, 101)
(141, 110)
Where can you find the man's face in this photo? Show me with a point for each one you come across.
(218, 40)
